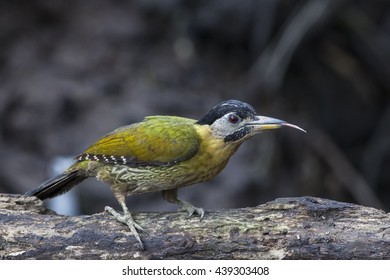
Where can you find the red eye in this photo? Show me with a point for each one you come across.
(233, 119)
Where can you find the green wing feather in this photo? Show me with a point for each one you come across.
(157, 139)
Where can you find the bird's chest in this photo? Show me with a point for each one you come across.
(211, 160)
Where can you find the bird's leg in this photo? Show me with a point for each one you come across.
(126, 218)
(171, 196)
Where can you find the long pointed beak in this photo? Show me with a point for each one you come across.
(263, 123)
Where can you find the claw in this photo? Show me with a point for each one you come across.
(171, 196)
(190, 213)
(127, 219)
(192, 209)
(137, 226)
(199, 211)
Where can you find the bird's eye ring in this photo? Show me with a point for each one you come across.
(233, 119)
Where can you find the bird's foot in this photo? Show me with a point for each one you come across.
(191, 209)
(127, 219)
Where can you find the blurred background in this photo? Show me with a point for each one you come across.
(72, 71)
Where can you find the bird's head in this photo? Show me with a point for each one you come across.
(236, 121)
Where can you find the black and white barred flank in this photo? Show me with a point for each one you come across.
(122, 160)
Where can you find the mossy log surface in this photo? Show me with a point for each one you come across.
(286, 228)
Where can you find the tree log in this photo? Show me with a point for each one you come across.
(286, 228)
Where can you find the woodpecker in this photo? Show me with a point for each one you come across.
(162, 153)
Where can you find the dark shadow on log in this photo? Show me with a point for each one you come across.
(286, 228)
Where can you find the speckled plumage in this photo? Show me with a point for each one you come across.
(142, 175)
(162, 153)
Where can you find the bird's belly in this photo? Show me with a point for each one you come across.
(151, 179)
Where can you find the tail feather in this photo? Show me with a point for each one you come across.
(57, 185)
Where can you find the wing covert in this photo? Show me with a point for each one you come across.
(156, 141)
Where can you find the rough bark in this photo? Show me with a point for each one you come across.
(286, 228)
